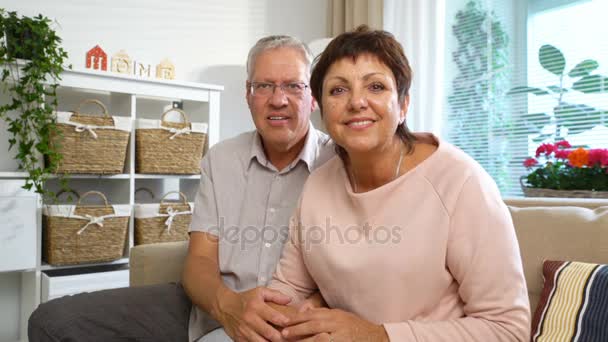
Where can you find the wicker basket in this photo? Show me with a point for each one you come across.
(540, 192)
(70, 192)
(84, 233)
(91, 144)
(150, 193)
(164, 147)
(162, 222)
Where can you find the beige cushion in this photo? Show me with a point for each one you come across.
(564, 233)
(157, 263)
(521, 202)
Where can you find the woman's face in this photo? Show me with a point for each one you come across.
(361, 109)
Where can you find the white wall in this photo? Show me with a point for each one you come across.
(207, 40)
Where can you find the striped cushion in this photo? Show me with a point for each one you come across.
(574, 303)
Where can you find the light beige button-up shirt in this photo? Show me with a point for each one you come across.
(245, 201)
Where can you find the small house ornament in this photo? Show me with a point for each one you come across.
(142, 69)
(165, 70)
(97, 59)
(122, 63)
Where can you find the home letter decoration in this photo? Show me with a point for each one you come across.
(165, 70)
(121, 63)
(98, 58)
(142, 69)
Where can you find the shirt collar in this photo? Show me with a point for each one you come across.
(309, 152)
(307, 155)
(257, 151)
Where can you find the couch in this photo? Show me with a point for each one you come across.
(547, 228)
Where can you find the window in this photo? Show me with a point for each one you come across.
(576, 32)
(524, 72)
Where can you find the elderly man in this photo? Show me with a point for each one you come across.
(249, 188)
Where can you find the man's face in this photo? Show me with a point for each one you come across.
(280, 117)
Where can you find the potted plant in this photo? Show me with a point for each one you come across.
(31, 60)
(567, 118)
(559, 170)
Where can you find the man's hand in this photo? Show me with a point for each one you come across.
(247, 316)
(332, 325)
(314, 301)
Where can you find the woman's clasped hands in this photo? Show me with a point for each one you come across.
(331, 325)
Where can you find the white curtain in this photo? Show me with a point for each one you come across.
(419, 27)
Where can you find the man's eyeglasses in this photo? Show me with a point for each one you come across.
(264, 89)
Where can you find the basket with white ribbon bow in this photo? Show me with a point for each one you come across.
(164, 221)
(89, 143)
(169, 147)
(78, 234)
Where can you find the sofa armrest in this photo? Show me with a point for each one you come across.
(157, 263)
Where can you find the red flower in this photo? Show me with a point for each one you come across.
(530, 162)
(595, 156)
(562, 154)
(604, 158)
(562, 144)
(547, 149)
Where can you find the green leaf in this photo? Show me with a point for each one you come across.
(592, 84)
(552, 59)
(557, 89)
(583, 68)
(577, 117)
(525, 89)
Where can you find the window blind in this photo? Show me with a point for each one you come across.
(520, 73)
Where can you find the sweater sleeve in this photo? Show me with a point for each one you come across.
(291, 276)
(483, 257)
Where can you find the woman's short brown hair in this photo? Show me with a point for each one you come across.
(361, 41)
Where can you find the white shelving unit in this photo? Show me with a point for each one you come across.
(21, 286)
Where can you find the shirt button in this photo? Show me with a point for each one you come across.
(267, 244)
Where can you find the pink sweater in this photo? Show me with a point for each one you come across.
(432, 255)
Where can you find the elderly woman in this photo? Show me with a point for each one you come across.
(405, 236)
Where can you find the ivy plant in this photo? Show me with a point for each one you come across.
(31, 60)
(482, 62)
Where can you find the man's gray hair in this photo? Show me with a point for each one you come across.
(275, 42)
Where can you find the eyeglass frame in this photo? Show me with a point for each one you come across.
(282, 86)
